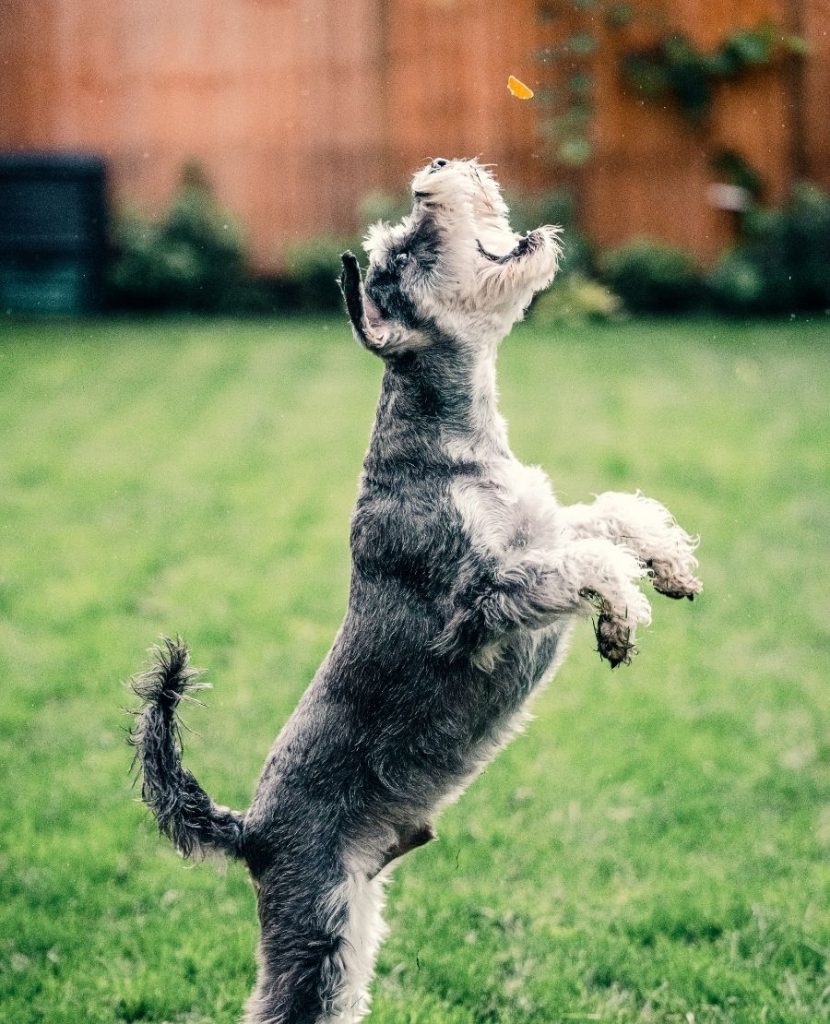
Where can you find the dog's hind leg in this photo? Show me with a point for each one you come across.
(316, 960)
(361, 898)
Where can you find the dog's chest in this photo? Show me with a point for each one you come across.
(510, 508)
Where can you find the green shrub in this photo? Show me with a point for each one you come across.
(310, 270)
(577, 253)
(809, 246)
(783, 263)
(556, 207)
(575, 300)
(307, 280)
(387, 206)
(735, 284)
(652, 277)
(193, 259)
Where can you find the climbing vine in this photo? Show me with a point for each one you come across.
(671, 67)
(675, 67)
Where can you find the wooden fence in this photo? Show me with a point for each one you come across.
(298, 108)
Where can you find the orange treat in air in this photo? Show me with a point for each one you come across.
(519, 89)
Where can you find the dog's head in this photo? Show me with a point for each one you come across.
(453, 267)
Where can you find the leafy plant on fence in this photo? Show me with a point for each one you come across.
(675, 67)
(671, 66)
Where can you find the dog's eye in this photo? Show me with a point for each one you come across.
(402, 259)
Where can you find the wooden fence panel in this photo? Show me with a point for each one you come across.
(298, 108)
(449, 96)
(815, 24)
(279, 101)
(653, 168)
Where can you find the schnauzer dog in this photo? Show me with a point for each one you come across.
(467, 577)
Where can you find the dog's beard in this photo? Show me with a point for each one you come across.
(466, 202)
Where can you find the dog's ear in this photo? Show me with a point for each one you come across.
(382, 336)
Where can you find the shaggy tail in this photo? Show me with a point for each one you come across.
(185, 813)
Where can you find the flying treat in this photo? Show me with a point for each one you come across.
(519, 89)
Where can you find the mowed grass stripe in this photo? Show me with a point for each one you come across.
(655, 846)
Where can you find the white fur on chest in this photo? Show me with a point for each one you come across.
(510, 510)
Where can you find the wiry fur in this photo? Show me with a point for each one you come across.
(184, 812)
(467, 576)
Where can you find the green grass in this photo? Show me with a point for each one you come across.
(654, 848)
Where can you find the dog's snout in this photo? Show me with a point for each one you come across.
(438, 163)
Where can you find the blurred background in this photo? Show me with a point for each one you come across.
(235, 145)
(183, 415)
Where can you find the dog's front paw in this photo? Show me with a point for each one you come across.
(675, 586)
(665, 548)
(545, 245)
(616, 629)
(672, 567)
(615, 639)
(621, 605)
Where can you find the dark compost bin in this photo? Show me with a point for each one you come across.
(53, 232)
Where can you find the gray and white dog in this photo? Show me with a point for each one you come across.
(467, 577)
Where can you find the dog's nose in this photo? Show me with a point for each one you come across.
(436, 165)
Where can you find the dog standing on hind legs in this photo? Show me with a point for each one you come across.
(467, 576)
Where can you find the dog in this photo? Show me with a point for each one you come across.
(467, 578)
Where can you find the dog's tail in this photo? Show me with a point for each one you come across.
(184, 811)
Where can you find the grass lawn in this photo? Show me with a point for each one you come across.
(653, 848)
